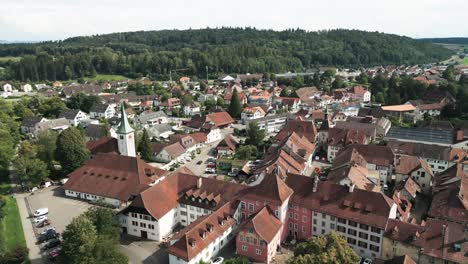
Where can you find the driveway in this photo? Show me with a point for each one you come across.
(146, 251)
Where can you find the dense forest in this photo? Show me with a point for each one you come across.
(226, 50)
(459, 41)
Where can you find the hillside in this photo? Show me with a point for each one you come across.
(225, 50)
(460, 41)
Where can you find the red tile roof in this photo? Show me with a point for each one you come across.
(371, 208)
(220, 118)
(264, 223)
(114, 176)
(450, 194)
(302, 128)
(272, 189)
(164, 196)
(201, 233)
(103, 145)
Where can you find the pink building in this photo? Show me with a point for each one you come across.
(259, 238)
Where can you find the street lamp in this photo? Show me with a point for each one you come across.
(419, 254)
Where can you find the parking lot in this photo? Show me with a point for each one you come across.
(61, 211)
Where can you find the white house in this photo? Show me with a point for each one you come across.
(74, 116)
(7, 88)
(99, 111)
(27, 88)
(190, 110)
(250, 113)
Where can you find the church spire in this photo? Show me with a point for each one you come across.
(124, 127)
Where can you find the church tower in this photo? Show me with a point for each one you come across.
(125, 136)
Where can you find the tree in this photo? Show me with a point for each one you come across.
(7, 150)
(144, 146)
(52, 107)
(29, 168)
(79, 241)
(92, 238)
(18, 255)
(71, 150)
(255, 135)
(220, 101)
(105, 221)
(246, 152)
(235, 108)
(46, 143)
(327, 249)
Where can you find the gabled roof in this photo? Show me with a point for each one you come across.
(407, 164)
(99, 108)
(371, 208)
(220, 118)
(31, 121)
(264, 223)
(272, 189)
(95, 131)
(113, 176)
(69, 114)
(450, 198)
(103, 145)
(304, 129)
(227, 143)
(197, 236)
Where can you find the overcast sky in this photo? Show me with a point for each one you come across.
(59, 19)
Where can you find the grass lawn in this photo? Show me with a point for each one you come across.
(7, 58)
(11, 230)
(465, 60)
(106, 77)
(4, 188)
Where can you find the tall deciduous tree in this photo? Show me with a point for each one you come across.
(328, 249)
(103, 229)
(144, 146)
(71, 150)
(46, 143)
(235, 107)
(29, 168)
(79, 241)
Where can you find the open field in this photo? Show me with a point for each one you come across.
(3, 59)
(456, 58)
(11, 230)
(106, 77)
(454, 47)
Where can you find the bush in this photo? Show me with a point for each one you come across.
(17, 256)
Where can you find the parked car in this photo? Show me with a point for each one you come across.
(199, 162)
(367, 261)
(217, 260)
(40, 219)
(47, 222)
(48, 236)
(210, 171)
(54, 253)
(41, 211)
(46, 230)
(51, 244)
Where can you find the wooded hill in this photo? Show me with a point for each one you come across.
(224, 50)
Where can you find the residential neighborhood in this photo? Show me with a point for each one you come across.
(127, 160)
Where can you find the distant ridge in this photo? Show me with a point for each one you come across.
(454, 40)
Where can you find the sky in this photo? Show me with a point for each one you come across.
(37, 20)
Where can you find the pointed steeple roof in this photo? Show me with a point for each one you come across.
(124, 127)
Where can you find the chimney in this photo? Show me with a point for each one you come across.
(199, 182)
(460, 135)
(351, 188)
(314, 188)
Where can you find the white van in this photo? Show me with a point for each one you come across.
(41, 211)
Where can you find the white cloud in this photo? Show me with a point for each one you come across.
(59, 19)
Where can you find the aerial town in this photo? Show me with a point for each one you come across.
(245, 167)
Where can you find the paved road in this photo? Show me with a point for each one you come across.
(34, 252)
